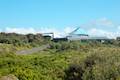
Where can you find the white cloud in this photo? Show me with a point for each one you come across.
(20, 30)
(118, 28)
(100, 32)
(59, 33)
(104, 22)
(56, 32)
(100, 27)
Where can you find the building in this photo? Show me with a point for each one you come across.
(49, 36)
(101, 39)
(78, 34)
(60, 39)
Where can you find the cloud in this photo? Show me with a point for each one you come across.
(102, 27)
(102, 23)
(118, 28)
(20, 30)
(104, 33)
(99, 27)
(56, 32)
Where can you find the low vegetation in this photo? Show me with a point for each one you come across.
(22, 40)
(62, 61)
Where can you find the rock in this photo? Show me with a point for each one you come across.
(9, 77)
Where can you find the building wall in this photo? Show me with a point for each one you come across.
(77, 37)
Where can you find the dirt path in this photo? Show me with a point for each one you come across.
(33, 50)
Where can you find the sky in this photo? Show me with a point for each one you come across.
(95, 17)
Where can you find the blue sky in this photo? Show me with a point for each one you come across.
(60, 15)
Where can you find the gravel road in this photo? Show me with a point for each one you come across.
(33, 50)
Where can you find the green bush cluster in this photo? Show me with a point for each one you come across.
(33, 67)
(72, 45)
(101, 64)
(63, 61)
(22, 40)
